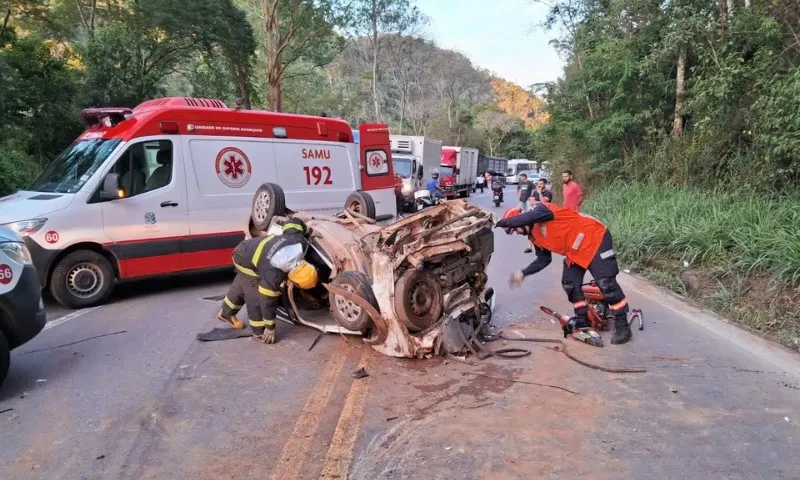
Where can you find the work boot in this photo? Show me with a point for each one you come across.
(235, 322)
(527, 250)
(622, 331)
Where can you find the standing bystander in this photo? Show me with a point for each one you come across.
(573, 195)
(524, 190)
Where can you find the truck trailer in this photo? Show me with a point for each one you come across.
(414, 157)
(457, 171)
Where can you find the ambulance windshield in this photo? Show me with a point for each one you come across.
(75, 166)
(402, 165)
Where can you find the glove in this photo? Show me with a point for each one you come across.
(267, 337)
(516, 279)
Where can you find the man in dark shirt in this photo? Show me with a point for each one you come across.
(541, 193)
(524, 190)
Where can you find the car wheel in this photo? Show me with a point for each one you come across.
(5, 357)
(361, 202)
(268, 202)
(418, 299)
(346, 313)
(81, 279)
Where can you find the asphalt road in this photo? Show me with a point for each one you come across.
(144, 399)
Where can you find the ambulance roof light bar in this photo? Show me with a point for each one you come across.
(110, 117)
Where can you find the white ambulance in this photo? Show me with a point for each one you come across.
(176, 183)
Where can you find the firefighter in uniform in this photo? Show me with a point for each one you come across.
(262, 265)
(586, 244)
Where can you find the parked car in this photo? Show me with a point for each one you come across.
(405, 288)
(22, 314)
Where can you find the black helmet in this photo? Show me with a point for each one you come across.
(295, 224)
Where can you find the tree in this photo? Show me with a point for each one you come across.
(376, 20)
(497, 126)
(294, 30)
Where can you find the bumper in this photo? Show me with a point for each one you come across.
(42, 259)
(24, 315)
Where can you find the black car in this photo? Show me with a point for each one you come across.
(22, 314)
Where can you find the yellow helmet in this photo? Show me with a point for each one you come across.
(304, 275)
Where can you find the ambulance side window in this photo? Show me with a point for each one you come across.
(144, 167)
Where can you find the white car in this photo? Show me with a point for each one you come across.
(22, 314)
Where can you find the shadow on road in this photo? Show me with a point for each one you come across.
(142, 288)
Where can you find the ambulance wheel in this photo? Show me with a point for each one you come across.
(361, 202)
(5, 357)
(346, 313)
(268, 202)
(81, 279)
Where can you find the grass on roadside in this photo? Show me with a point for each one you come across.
(743, 251)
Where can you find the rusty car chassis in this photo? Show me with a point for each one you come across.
(412, 289)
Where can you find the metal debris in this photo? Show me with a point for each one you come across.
(360, 373)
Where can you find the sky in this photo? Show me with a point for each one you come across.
(500, 35)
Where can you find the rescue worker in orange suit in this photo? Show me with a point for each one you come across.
(587, 245)
(262, 265)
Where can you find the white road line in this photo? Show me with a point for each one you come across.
(70, 316)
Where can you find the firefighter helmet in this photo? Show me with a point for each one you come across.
(304, 275)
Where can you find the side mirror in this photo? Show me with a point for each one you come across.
(420, 174)
(413, 167)
(111, 189)
(457, 171)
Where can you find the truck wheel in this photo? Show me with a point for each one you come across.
(81, 279)
(5, 357)
(361, 202)
(346, 313)
(418, 299)
(268, 202)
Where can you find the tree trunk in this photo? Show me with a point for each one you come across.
(375, 48)
(244, 88)
(271, 60)
(723, 15)
(680, 94)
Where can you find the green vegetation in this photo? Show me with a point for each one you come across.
(363, 60)
(743, 252)
(682, 119)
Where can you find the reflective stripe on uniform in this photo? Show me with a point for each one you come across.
(247, 271)
(262, 323)
(619, 305)
(259, 249)
(268, 292)
(232, 305)
(578, 240)
(294, 226)
(607, 254)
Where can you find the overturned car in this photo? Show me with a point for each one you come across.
(414, 288)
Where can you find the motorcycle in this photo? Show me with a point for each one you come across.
(423, 199)
(497, 190)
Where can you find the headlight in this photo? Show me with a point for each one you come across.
(17, 252)
(407, 188)
(26, 227)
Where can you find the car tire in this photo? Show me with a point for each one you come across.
(82, 279)
(346, 313)
(5, 357)
(268, 202)
(418, 299)
(361, 202)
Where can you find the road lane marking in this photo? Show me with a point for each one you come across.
(294, 453)
(70, 316)
(340, 452)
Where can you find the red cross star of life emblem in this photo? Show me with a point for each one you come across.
(233, 167)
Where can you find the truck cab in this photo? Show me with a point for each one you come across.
(413, 157)
(457, 171)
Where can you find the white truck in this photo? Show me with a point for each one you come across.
(457, 171)
(413, 159)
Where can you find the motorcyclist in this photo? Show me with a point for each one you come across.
(587, 245)
(433, 185)
(497, 186)
(262, 265)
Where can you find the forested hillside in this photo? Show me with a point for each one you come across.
(363, 60)
(684, 117)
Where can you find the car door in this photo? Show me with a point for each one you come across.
(149, 225)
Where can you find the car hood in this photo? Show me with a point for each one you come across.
(25, 205)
